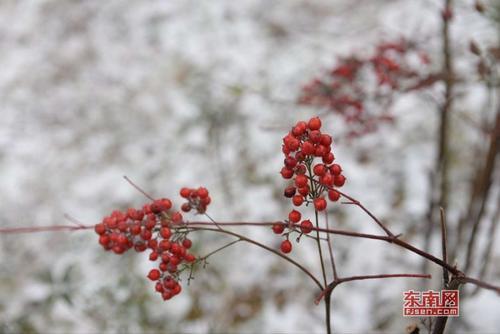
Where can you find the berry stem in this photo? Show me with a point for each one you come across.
(318, 242)
(258, 244)
(333, 285)
(142, 191)
(330, 250)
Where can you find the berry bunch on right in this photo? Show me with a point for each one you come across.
(362, 88)
(309, 165)
(198, 199)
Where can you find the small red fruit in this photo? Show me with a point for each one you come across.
(294, 216)
(301, 181)
(202, 192)
(286, 246)
(298, 200)
(154, 275)
(319, 169)
(320, 204)
(308, 148)
(278, 228)
(185, 192)
(100, 228)
(336, 169)
(187, 243)
(339, 180)
(290, 191)
(306, 226)
(314, 123)
(333, 195)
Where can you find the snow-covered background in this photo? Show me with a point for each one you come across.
(188, 93)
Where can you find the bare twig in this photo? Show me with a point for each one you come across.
(330, 249)
(138, 188)
(338, 281)
(446, 277)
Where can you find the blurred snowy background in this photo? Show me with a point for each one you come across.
(189, 93)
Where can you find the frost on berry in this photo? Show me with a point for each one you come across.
(313, 176)
(158, 228)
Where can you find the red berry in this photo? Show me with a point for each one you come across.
(300, 156)
(165, 257)
(339, 180)
(328, 158)
(163, 266)
(187, 243)
(315, 136)
(153, 256)
(165, 204)
(154, 275)
(333, 195)
(131, 213)
(301, 181)
(300, 170)
(156, 207)
(176, 218)
(319, 169)
(298, 200)
(159, 287)
(177, 289)
(286, 246)
(336, 169)
(189, 258)
(320, 151)
(308, 148)
(294, 216)
(166, 295)
(186, 207)
(165, 245)
(306, 226)
(304, 191)
(290, 191)
(286, 173)
(278, 228)
(165, 232)
(326, 180)
(320, 204)
(135, 229)
(299, 129)
(291, 142)
(100, 228)
(185, 192)
(104, 240)
(314, 123)
(140, 246)
(202, 192)
(206, 200)
(290, 162)
(150, 223)
(326, 140)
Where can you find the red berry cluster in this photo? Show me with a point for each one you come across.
(347, 88)
(303, 146)
(158, 228)
(198, 199)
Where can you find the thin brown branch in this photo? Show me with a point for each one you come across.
(52, 228)
(444, 242)
(339, 281)
(256, 243)
(318, 242)
(142, 191)
(330, 249)
(368, 212)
